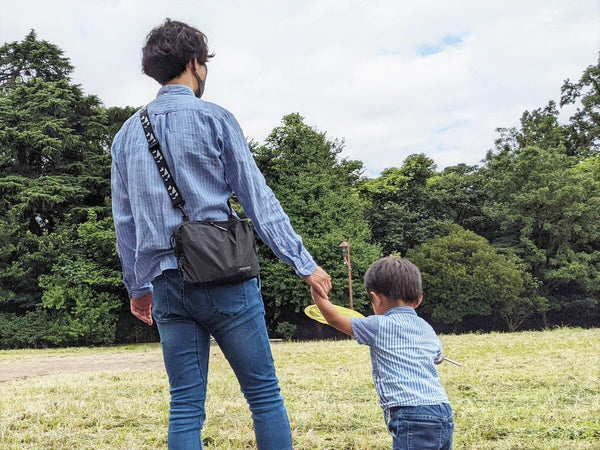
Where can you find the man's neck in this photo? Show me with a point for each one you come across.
(186, 79)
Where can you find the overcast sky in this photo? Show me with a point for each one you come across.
(389, 77)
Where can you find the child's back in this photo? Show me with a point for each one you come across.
(404, 352)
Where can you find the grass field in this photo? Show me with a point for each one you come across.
(530, 390)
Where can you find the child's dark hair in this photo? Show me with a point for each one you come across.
(170, 47)
(396, 278)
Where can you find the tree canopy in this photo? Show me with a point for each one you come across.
(466, 280)
(31, 58)
(318, 191)
(58, 279)
(512, 243)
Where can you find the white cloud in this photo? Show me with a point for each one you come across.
(391, 78)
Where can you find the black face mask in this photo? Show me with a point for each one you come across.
(201, 83)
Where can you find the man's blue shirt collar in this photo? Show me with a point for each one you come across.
(175, 89)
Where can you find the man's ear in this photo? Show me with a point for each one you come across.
(192, 65)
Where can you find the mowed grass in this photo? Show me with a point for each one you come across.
(529, 390)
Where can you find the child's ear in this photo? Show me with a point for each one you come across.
(376, 298)
(419, 302)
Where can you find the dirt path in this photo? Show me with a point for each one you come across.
(21, 369)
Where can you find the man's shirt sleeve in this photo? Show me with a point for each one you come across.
(365, 330)
(125, 230)
(260, 204)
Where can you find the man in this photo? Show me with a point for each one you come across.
(209, 158)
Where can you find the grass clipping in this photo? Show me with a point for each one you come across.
(529, 390)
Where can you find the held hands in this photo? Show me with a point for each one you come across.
(320, 285)
(331, 314)
(318, 299)
(142, 308)
(320, 282)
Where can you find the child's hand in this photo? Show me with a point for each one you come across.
(317, 298)
(332, 315)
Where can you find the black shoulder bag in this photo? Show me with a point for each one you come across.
(208, 252)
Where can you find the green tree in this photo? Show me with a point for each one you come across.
(542, 197)
(467, 283)
(32, 58)
(317, 190)
(49, 127)
(84, 286)
(583, 131)
(116, 116)
(457, 195)
(54, 176)
(547, 205)
(540, 128)
(399, 214)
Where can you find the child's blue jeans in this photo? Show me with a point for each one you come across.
(421, 427)
(187, 316)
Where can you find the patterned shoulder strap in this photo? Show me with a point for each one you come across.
(163, 168)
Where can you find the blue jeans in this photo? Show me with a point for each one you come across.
(186, 316)
(421, 427)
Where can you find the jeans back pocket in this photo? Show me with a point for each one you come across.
(229, 299)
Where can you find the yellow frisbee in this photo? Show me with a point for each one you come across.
(314, 313)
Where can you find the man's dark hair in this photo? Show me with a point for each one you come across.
(170, 47)
(396, 278)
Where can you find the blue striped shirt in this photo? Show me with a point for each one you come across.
(209, 159)
(404, 350)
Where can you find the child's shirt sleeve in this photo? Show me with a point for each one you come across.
(365, 329)
(440, 354)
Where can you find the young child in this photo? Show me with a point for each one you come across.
(404, 350)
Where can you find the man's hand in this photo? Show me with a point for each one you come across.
(142, 308)
(320, 281)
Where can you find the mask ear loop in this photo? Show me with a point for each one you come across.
(200, 81)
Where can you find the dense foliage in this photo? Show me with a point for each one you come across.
(514, 242)
(318, 191)
(59, 273)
